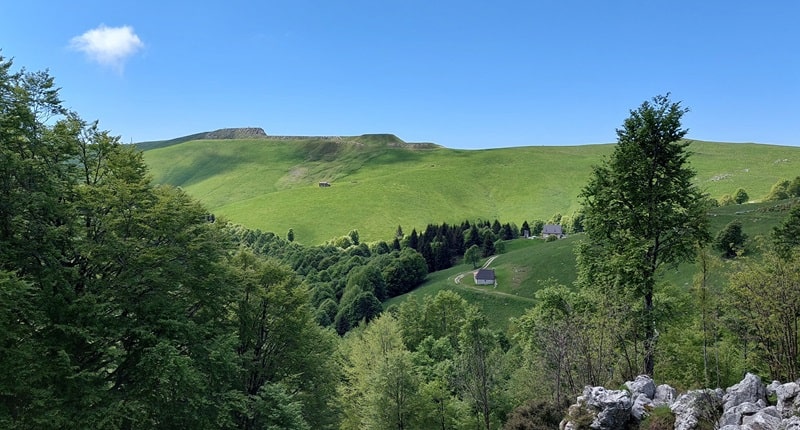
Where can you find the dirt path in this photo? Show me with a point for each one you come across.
(495, 293)
(491, 259)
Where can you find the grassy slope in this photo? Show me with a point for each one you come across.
(527, 263)
(379, 183)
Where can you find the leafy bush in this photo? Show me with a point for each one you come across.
(779, 191)
(726, 200)
(730, 241)
(741, 196)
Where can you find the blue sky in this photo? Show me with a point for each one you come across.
(466, 74)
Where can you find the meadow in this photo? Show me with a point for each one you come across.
(529, 264)
(380, 182)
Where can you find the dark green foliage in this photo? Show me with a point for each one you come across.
(290, 235)
(354, 236)
(275, 408)
(786, 237)
(120, 306)
(730, 241)
(536, 227)
(365, 278)
(404, 273)
(526, 228)
(576, 223)
(741, 196)
(642, 210)
(473, 237)
(364, 307)
(535, 415)
(496, 227)
(382, 247)
(487, 248)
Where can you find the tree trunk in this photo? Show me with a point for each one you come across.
(649, 334)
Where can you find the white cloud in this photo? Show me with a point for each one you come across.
(109, 46)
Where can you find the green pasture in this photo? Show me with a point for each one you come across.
(379, 182)
(527, 263)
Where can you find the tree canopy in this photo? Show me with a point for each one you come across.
(642, 210)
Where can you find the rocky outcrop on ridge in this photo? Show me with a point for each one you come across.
(744, 406)
(236, 133)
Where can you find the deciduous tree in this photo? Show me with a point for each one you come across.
(730, 240)
(642, 210)
(473, 255)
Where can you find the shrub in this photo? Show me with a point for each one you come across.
(730, 241)
(779, 191)
(535, 415)
(726, 200)
(581, 418)
(659, 418)
(741, 196)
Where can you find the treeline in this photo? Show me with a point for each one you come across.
(444, 245)
(348, 279)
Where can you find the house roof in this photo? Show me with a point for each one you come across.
(485, 274)
(552, 229)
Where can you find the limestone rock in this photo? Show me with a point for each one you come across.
(736, 414)
(692, 407)
(641, 404)
(792, 423)
(665, 395)
(643, 384)
(788, 399)
(750, 389)
(765, 419)
(611, 409)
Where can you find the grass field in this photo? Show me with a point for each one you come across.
(527, 263)
(380, 182)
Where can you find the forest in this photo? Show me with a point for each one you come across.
(125, 304)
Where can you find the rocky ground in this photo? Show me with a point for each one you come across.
(750, 404)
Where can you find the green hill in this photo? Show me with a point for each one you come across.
(379, 182)
(527, 263)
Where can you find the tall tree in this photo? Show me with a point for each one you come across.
(478, 367)
(642, 210)
(277, 341)
(473, 255)
(380, 388)
(764, 305)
